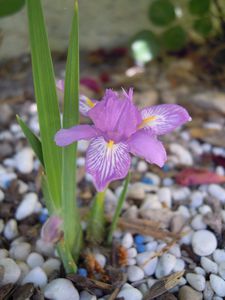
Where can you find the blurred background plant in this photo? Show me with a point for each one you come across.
(176, 25)
(9, 7)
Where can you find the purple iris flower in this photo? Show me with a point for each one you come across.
(120, 128)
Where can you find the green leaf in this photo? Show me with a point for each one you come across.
(203, 26)
(199, 7)
(118, 209)
(32, 139)
(174, 39)
(72, 227)
(46, 97)
(8, 7)
(144, 46)
(161, 12)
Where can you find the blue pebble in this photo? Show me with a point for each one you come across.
(43, 218)
(147, 180)
(139, 239)
(140, 248)
(166, 168)
(82, 272)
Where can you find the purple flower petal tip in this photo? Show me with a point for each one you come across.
(51, 231)
(60, 85)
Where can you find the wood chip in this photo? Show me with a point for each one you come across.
(6, 291)
(163, 285)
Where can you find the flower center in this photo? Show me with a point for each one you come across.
(110, 144)
(90, 103)
(146, 121)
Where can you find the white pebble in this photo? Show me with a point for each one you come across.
(35, 260)
(179, 266)
(142, 166)
(24, 270)
(200, 271)
(165, 197)
(84, 295)
(45, 248)
(131, 261)
(11, 229)
(132, 252)
(181, 194)
(204, 209)
(218, 285)
(197, 281)
(197, 198)
(61, 288)
(36, 276)
(209, 265)
(151, 246)
(127, 240)
(151, 202)
(27, 206)
(219, 256)
(165, 265)
(222, 269)
(217, 191)
(135, 273)
(24, 161)
(11, 271)
(146, 261)
(100, 259)
(183, 155)
(197, 223)
(20, 251)
(204, 242)
(128, 293)
(208, 291)
(175, 250)
(51, 265)
(155, 178)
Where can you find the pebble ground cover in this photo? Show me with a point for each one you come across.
(172, 222)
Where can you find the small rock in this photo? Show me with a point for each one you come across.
(35, 260)
(183, 155)
(61, 288)
(4, 253)
(197, 281)
(84, 295)
(151, 202)
(127, 240)
(208, 265)
(45, 248)
(20, 251)
(51, 265)
(11, 271)
(222, 269)
(128, 293)
(181, 194)
(165, 265)
(151, 246)
(200, 271)
(155, 178)
(11, 229)
(27, 206)
(219, 256)
(175, 250)
(36, 276)
(147, 262)
(136, 191)
(197, 223)
(205, 209)
(132, 252)
(204, 242)
(100, 259)
(218, 285)
(142, 166)
(217, 191)
(197, 199)
(135, 273)
(187, 293)
(179, 266)
(164, 196)
(24, 160)
(208, 291)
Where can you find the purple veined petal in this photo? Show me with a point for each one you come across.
(51, 231)
(116, 115)
(86, 104)
(107, 161)
(164, 118)
(148, 147)
(65, 137)
(60, 85)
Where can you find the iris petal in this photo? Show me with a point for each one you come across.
(107, 161)
(164, 118)
(148, 147)
(65, 137)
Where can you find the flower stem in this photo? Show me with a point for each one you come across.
(96, 224)
(67, 258)
(118, 209)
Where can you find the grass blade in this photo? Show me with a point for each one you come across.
(46, 97)
(118, 209)
(72, 227)
(32, 139)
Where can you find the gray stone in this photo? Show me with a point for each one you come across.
(187, 293)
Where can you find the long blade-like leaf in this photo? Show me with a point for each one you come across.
(32, 139)
(72, 228)
(46, 97)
